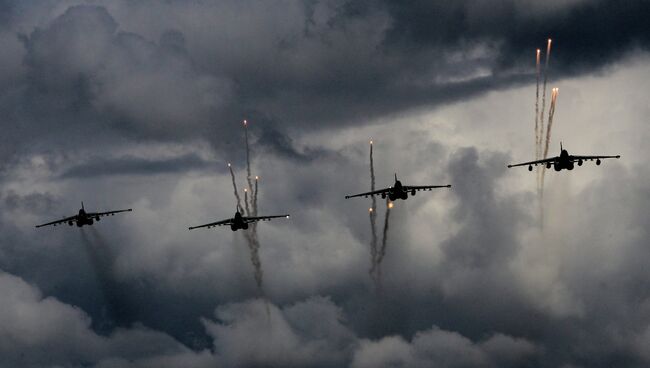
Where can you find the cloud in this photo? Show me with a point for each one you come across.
(41, 331)
(137, 101)
(97, 167)
(439, 348)
(307, 334)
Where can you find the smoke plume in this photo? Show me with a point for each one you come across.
(234, 186)
(248, 162)
(549, 126)
(381, 251)
(373, 216)
(537, 133)
(102, 260)
(541, 119)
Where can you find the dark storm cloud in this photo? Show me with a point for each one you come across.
(99, 78)
(331, 64)
(31, 203)
(587, 34)
(139, 166)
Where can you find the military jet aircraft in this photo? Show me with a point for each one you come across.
(563, 161)
(398, 191)
(83, 217)
(238, 222)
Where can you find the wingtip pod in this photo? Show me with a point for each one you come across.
(448, 185)
(618, 156)
(509, 166)
(287, 216)
(347, 197)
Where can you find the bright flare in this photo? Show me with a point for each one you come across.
(390, 204)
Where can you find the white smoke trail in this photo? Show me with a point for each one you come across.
(248, 210)
(541, 120)
(234, 186)
(381, 252)
(551, 114)
(537, 135)
(256, 190)
(248, 159)
(373, 216)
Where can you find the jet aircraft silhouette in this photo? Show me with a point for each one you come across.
(564, 161)
(238, 222)
(398, 191)
(83, 217)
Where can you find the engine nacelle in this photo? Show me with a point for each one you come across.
(90, 221)
(383, 196)
(548, 165)
(404, 195)
(245, 227)
(579, 162)
(96, 218)
(392, 197)
(233, 227)
(570, 166)
(413, 192)
(598, 162)
(557, 167)
(70, 223)
(530, 167)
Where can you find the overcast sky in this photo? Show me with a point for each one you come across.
(139, 104)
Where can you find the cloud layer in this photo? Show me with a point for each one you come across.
(138, 104)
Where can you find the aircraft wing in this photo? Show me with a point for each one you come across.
(586, 158)
(424, 187)
(62, 221)
(535, 163)
(213, 224)
(109, 213)
(375, 192)
(262, 218)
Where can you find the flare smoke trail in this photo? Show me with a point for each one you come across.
(537, 137)
(551, 113)
(373, 217)
(102, 260)
(549, 126)
(251, 205)
(384, 241)
(248, 160)
(548, 56)
(541, 119)
(248, 210)
(257, 178)
(254, 247)
(234, 186)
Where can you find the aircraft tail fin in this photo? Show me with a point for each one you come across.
(82, 205)
(395, 176)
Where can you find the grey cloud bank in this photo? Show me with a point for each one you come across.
(139, 104)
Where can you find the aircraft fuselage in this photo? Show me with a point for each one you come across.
(566, 162)
(82, 219)
(397, 192)
(238, 222)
